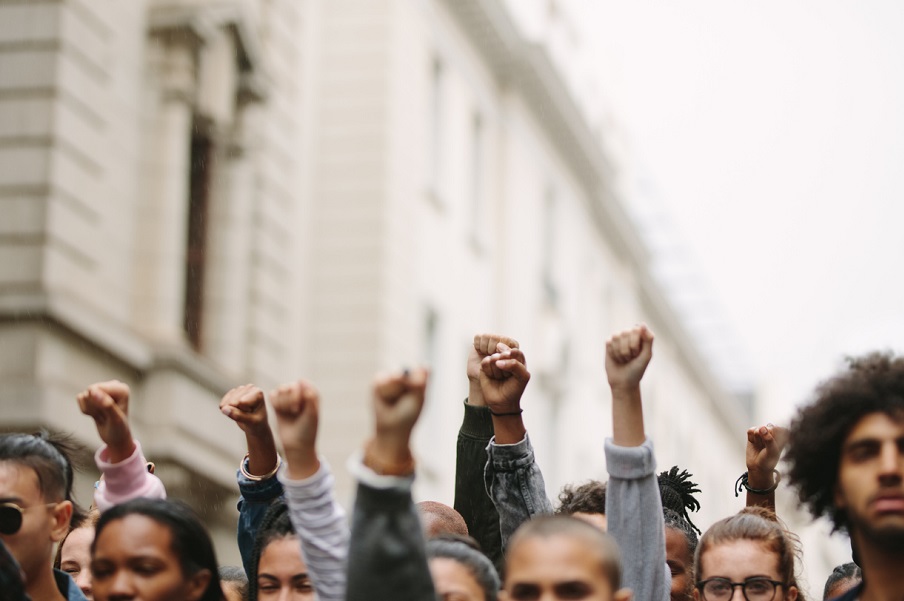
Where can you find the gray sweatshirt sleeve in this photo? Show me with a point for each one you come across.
(634, 516)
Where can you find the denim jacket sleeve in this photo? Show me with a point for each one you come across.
(514, 482)
(471, 498)
(634, 516)
(256, 498)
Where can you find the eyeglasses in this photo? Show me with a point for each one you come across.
(754, 589)
(11, 516)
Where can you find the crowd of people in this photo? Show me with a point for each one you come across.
(628, 537)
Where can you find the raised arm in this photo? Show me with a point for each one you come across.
(120, 460)
(764, 449)
(317, 517)
(387, 557)
(633, 503)
(256, 474)
(471, 498)
(512, 476)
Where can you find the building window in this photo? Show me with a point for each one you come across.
(476, 188)
(202, 156)
(549, 241)
(437, 128)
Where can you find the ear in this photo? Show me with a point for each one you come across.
(838, 497)
(197, 585)
(623, 594)
(62, 516)
(791, 595)
(696, 594)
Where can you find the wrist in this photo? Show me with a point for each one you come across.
(119, 451)
(388, 459)
(760, 478)
(475, 395)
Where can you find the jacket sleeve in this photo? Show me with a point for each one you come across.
(322, 530)
(471, 498)
(387, 557)
(128, 479)
(256, 497)
(634, 517)
(514, 482)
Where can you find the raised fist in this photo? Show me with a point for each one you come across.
(627, 355)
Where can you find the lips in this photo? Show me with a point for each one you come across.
(889, 503)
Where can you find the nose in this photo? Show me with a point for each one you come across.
(891, 463)
(83, 581)
(121, 587)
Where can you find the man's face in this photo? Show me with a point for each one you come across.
(42, 525)
(681, 563)
(870, 484)
(555, 568)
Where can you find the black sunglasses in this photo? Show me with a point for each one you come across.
(11, 516)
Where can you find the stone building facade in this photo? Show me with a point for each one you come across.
(196, 194)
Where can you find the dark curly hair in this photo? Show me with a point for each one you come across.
(589, 497)
(873, 383)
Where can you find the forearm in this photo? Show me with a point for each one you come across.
(262, 457)
(256, 498)
(322, 530)
(627, 416)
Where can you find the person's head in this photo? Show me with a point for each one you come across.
(155, 550)
(234, 582)
(677, 493)
(586, 502)
(460, 571)
(845, 452)
(680, 545)
(564, 558)
(842, 579)
(35, 499)
(73, 554)
(750, 547)
(438, 519)
(277, 568)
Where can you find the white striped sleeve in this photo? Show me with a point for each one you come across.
(322, 528)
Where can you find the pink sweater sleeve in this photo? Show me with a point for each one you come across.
(126, 480)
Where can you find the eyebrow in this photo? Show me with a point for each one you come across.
(299, 576)
(11, 500)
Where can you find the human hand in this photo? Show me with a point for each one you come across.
(107, 403)
(484, 346)
(398, 401)
(627, 355)
(503, 379)
(246, 407)
(297, 409)
(764, 449)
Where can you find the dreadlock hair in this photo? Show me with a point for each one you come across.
(275, 525)
(51, 457)
(677, 493)
(872, 383)
(677, 522)
(589, 497)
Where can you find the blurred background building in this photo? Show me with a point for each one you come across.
(197, 194)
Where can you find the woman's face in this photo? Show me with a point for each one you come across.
(453, 581)
(134, 559)
(743, 561)
(282, 573)
(75, 557)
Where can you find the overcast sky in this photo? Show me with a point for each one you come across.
(773, 133)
